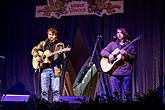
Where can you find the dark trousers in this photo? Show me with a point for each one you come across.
(121, 87)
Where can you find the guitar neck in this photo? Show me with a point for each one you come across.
(55, 52)
(63, 50)
(127, 45)
(139, 37)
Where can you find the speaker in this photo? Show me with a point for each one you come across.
(15, 98)
(74, 99)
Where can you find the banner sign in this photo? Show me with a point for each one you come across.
(59, 8)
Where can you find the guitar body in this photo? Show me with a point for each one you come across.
(36, 64)
(109, 66)
(45, 57)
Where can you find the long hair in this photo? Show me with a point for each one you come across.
(124, 32)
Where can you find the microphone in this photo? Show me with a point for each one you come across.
(114, 36)
(99, 36)
(2, 57)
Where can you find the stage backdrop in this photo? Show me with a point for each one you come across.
(21, 30)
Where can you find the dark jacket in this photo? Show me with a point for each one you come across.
(56, 60)
(124, 67)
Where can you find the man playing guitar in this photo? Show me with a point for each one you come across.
(121, 63)
(48, 56)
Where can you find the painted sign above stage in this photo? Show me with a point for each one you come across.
(59, 8)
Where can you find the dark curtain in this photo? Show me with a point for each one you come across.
(20, 31)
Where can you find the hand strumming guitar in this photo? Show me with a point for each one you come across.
(38, 59)
(113, 56)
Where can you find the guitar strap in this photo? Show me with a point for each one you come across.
(43, 45)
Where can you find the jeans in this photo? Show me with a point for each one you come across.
(121, 87)
(48, 79)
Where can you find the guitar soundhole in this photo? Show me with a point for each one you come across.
(44, 57)
(115, 55)
(115, 58)
(112, 61)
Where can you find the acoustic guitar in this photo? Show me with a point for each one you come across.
(45, 57)
(111, 65)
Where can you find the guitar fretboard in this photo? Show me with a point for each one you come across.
(136, 39)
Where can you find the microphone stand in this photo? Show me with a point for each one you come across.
(93, 53)
(37, 77)
(2, 57)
